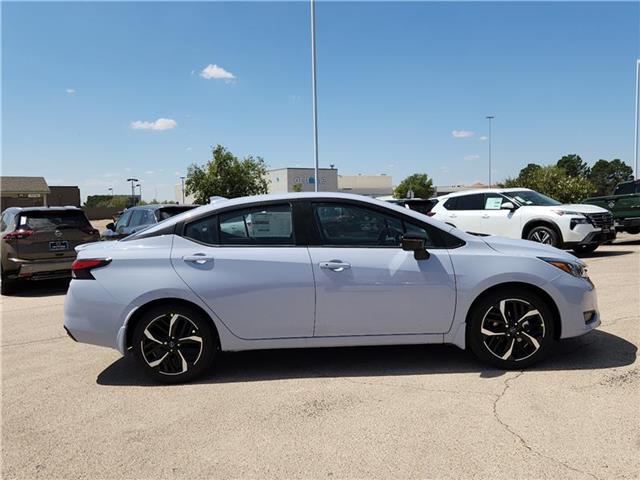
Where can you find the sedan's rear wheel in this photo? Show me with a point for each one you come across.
(511, 329)
(174, 343)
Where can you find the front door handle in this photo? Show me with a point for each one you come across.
(453, 215)
(335, 265)
(199, 258)
(485, 216)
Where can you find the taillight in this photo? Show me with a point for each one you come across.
(81, 269)
(18, 234)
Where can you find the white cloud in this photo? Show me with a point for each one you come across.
(483, 138)
(127, 169)
(70, 91)
(189, 149)
(159, 124)
(149, 172)
(217, 73)
(462, 133)
(472, 157)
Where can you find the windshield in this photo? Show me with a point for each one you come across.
(529, 197)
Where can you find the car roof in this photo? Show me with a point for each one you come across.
(158, 206)
(275, 197)
(484, 190)
(43, 209)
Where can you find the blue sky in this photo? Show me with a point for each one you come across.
(395, 80)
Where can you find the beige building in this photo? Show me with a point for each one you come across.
(188, 199)
(370, 185)
(282, 180)
(447, 189)
(23, 192)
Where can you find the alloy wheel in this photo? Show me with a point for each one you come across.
(512, 329)
(171, 344)
(541, 236)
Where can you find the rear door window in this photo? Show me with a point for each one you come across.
(269, 225)
(142, 216)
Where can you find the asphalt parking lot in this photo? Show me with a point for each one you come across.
(78, 411)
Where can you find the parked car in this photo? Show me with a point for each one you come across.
(321, 270)
(624, 204)
(418, 204)
(135, 219)
(527, 214)
(39, 242)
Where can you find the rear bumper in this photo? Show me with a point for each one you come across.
(41, 269)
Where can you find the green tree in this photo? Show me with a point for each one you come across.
(573, 165)
(297, 187)
(227, 176)
(606, 174)
(419, 183)
(530, 169)
(553, 181)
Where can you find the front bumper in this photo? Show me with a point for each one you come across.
(577, 304)
(596, 237)
(41, 269)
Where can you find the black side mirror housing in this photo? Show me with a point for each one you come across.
(111, 226)
(415, 245)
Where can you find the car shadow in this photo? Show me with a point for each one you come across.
(603, 253)
(598, 350)
(40, 288)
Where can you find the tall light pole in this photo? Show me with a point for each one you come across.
(140, 187)
(182, 180)
(133, 194)
(490, 117)
(111, 191)
(635, 144)
(314, 93)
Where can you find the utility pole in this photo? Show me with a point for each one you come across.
(490, 117)
(182, 180)
(140, 187)
(133, 193)
(314, 94)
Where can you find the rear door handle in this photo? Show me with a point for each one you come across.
(453, 215)
(485, 216)
(335, 265)
(199, 258)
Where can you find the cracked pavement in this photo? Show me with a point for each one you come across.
(78, 411)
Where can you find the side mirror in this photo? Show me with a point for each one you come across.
(508, 206)
(415, 245)
(111, 226)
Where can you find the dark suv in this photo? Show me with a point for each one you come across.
(39, 242)
(135, 219)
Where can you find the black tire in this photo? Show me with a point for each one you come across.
(545, 235)
(7, 286)
(585, 248)
(157, 346)
(525, 338)
(633, 230)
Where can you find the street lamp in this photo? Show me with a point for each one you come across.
(314, 95)
(110, 191)
(133, 194)
(140, 188)
(635, 144)
(182, 181)
(490, 117)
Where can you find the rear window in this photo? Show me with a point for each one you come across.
(422, 206)
(53, 220)
(168, 212)
(466, 202)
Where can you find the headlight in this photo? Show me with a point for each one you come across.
(578, 221)
(567, 212)
(576, 269)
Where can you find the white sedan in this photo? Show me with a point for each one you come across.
(321, 270)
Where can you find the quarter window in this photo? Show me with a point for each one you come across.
(271, 225)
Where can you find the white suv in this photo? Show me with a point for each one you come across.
(525, 213)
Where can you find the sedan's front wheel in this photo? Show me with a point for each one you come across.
(511, 329)
(174, 343)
